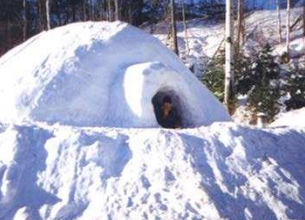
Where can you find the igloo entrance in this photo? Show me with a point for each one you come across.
(168, 109)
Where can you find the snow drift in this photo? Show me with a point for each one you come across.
(99, 74)
(219, 172)
(294, 118)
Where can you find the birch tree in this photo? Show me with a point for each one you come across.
(229, 78)
(174, 27)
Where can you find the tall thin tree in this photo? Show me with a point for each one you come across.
(229, 76)
(288, 28)
(187, 47)
(48, 21)
(278, 7)
(25, 23)
(117, 10)
(40, 15)
(174, 27)
(84, 8)
(241, 23)
(92, 8)
(304, 22)
(109, 10)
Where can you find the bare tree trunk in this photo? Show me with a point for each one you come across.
(240, 20)
(288, 28)
(152, 21)
(187, 48)
(241, 24)
(9, 35)
(104, 11)
(25, 23)
(304, 22)
(229, 77)
(174, 27)
(117, 10)
(48, 14)
(92, 10)
(130, 16)
(278, 7)
(40, 15)
(73, 12)
(84, 10)
(7, 27)
(109, 10)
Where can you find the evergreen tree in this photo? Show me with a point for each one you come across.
(214, 75)
(242, 68)
(265, 92)
(295, 88)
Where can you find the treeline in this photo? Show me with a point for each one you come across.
(21, 19)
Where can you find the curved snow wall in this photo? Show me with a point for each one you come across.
(144, 82)
(100, 74)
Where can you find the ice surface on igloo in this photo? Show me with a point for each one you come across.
(99, 74)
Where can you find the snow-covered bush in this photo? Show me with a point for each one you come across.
(295, 88)
(257, 77)
(265, 93)
(213, 76)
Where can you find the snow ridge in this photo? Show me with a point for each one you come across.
(219, 172)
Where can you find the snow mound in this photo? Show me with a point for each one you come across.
(292, 118)
(219, 172)
(99, 74)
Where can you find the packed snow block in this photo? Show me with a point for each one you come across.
(100, 74)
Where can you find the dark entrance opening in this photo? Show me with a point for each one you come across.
(167, 108)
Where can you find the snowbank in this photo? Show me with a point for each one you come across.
(292, 118)
(99, 74)
(219, 172)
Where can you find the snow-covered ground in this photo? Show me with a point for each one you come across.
(205, 37)
(292, 119)
(59, 161)
(219, 172)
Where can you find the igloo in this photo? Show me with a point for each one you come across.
(100, 74)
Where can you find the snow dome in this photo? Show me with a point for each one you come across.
(100, 74)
